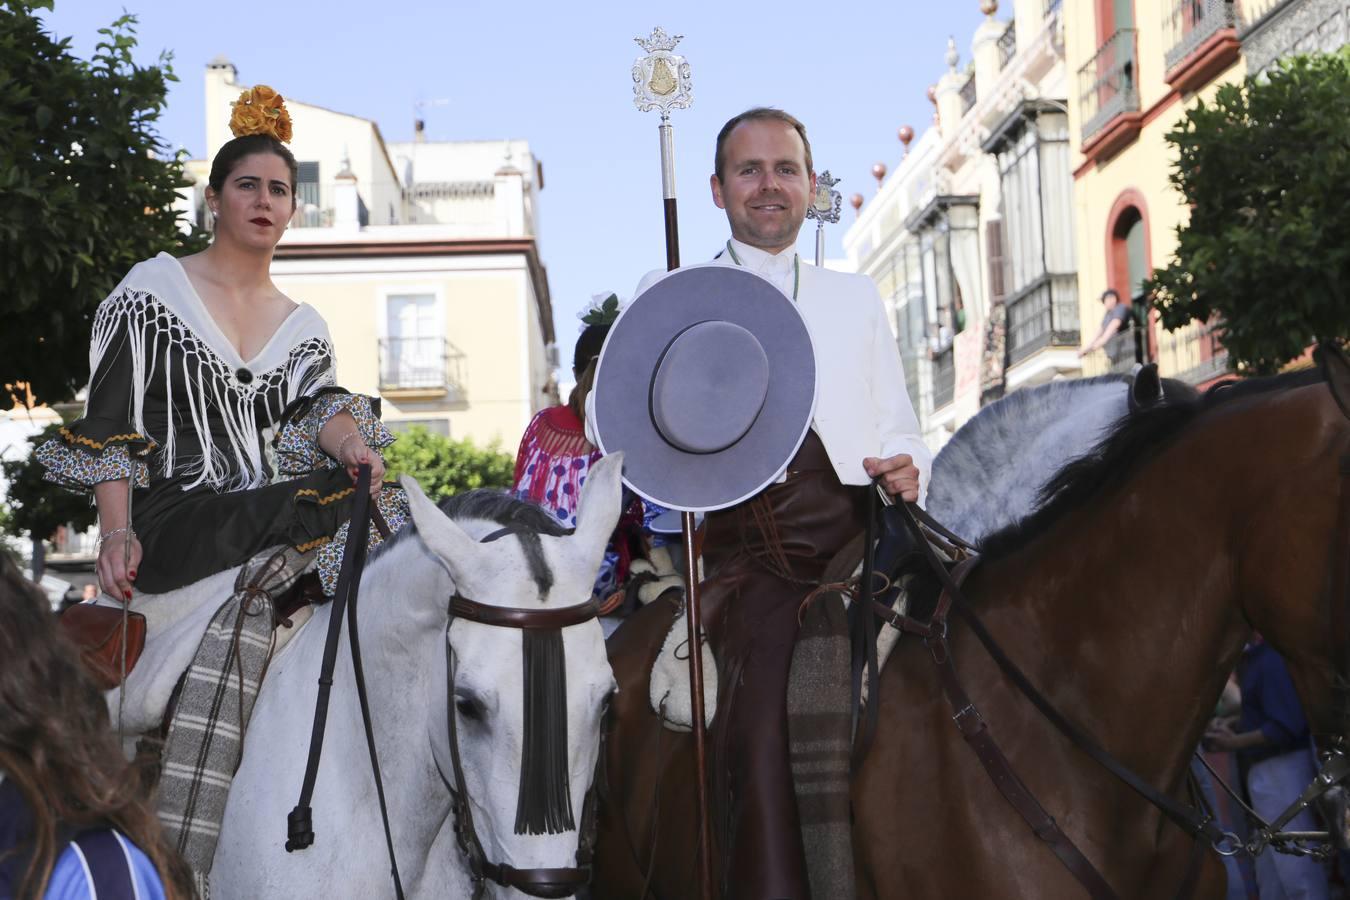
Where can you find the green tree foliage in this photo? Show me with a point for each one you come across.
(36, 506)
(444, 467)
(1265, 169)
(84, 191)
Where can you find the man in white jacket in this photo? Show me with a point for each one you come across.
(763, 556)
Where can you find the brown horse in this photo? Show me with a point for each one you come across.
(1126, 598)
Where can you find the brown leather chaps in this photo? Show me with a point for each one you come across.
(762, 558)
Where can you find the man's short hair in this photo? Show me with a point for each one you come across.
(758, 114)
(1110, 292)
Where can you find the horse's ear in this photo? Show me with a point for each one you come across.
(598, 512)
(446, 539)
(1146, 389)
(1336, 370)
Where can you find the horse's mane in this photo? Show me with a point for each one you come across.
(527, 520)
(1135, 440)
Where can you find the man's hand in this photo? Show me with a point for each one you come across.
(898, 474)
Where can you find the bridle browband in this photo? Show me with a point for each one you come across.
(539, 882)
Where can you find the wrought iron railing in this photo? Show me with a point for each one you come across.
(1043, 314)
(944, 377)
(1251, 12)
(1191, 23)
(1007, 45)
(1107, 84)
(421, 364)
(968, 94)
(1194, 354)
(1122, 351)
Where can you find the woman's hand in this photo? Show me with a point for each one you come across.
(117, 570)
(354, 453)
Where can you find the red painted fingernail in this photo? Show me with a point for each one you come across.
(133, 573)
(128, 594)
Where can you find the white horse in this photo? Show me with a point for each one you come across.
(403, 614)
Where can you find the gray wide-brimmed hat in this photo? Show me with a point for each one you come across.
(707, 383)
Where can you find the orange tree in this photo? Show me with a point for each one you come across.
(1264, 170)
(86, 190)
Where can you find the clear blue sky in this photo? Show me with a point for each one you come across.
(558, 75)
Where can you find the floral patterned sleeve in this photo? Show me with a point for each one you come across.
(103, 445)
(297, 442)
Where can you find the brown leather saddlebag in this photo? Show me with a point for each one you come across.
(97, 632)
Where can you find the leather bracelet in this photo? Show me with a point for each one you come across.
(98, 547)
(343, 443)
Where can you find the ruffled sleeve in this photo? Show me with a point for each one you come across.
(297, 441)
(105, 444)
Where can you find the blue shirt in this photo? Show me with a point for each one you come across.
(99, 864)
(1270, 703)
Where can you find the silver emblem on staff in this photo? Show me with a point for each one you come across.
(661, 79)
(824, 208)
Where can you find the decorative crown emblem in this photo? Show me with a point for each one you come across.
(661, 79)
(658, 40)
(825, 205)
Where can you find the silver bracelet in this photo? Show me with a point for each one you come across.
(98, 546)
(343, 443)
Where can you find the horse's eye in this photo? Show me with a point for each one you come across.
(469, 709)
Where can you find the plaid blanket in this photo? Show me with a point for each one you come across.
(819, 741)
(206, 733)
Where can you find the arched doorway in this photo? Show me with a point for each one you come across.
(1129, 264)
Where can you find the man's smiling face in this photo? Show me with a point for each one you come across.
(765, 186)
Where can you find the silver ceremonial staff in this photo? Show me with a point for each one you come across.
(824, 208)
(661, 81)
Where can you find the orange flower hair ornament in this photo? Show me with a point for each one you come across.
(260, 110)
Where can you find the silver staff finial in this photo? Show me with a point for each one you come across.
(825, 206)
(661, 79)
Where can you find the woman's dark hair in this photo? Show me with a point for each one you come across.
(584, 359)
(58, 749)
(588, 347)
(228, 156)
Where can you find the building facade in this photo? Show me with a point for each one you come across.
(1139, 65)
(971, 238)
(423, 258)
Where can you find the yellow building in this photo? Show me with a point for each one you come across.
(423, 258)
(1139, 65)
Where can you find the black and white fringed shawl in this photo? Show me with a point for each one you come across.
(218, 404)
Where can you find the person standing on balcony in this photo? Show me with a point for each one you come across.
(1115, 319)
(193, 363)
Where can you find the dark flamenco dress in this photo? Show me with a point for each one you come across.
(199, 431)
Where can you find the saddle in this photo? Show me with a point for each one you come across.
(97, 631)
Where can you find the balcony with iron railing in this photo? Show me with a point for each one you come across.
(1007, 45)
(426, 367)
(319, 205)
(1108, 95)
(1194, 354)
(1043, 314)
(944, 377)
(1201, 37)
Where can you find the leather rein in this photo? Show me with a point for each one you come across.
(1200, 825)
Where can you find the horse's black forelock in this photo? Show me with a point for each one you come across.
(528, 519)
(1135, 439)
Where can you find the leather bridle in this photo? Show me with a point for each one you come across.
(540, 882)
